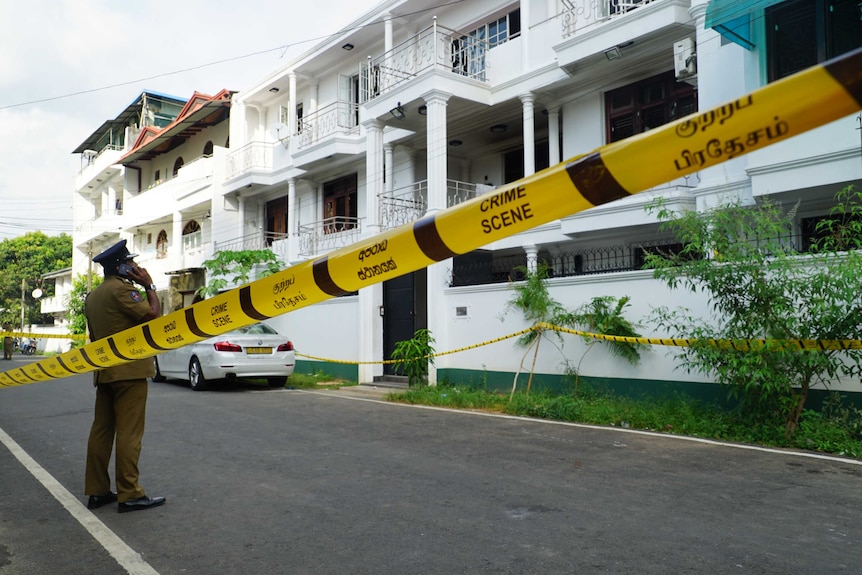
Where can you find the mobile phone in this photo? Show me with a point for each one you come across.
(124, 270)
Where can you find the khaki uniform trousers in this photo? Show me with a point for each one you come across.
(120, 412)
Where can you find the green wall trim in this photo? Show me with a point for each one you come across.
(346, 371)
(628, 387)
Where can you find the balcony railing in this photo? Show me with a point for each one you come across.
(327, 235)
(252, 156)
(578, 14)
(336, 118)
(410, 203)
(435, 47)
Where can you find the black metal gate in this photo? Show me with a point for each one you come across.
(404, 311)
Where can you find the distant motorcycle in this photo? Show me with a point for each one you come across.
(27, 346)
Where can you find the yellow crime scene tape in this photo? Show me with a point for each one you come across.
(773, 113)
(737, 344)
(80, 336)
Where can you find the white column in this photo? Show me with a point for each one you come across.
(291, 105)
(292, 232)
(554, 135)
(437, 142)
(532, 258)
(177, 238)
(527, 101)
(389, 167)
(373, 175)
(387, 32)
(240, 212)
(371, 298)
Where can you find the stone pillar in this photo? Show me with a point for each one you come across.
(527, 102)
(373, 176)
(291, 106)
(437, 160)
(532, 258)
(292, 232)
(437, 142)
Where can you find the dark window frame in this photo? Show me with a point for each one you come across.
(646, 104)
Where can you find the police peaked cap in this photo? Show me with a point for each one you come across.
(114, 255)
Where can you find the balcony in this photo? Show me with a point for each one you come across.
(646, 28)
(336, 118)
(98, 164)
(326, 235)
(410, 203)
(434, 48)
(276, 242)
(249, 164)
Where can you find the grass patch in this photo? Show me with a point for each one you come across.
(316, 380)
(836, 430)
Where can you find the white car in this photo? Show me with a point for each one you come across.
(254, 351)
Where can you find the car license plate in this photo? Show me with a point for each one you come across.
(258, 350)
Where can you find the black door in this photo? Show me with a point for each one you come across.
(404, 311)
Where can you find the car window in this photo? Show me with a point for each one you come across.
(257, 329)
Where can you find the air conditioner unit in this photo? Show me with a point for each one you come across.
(684, 59)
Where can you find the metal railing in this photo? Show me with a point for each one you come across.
(578, 14)
(335, 118)
(435, 47)
(410, 203)
(254, 155)
(328, 234)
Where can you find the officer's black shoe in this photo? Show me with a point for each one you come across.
(140, 504)
(96, 501)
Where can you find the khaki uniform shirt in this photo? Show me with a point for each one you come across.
(112, 307)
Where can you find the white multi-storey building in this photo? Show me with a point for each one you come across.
(415, 108)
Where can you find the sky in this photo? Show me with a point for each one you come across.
(67, 66)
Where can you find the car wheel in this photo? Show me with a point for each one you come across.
(158, 378)
(279, 381)
(196, 375)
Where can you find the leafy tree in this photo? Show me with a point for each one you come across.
(77, 298)
(535, 303)
(604, 315)
(759, 286)
(28, 258)
(601, 315)
(415, 355)
(239, 265)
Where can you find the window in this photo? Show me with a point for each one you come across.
(647, 104)
(276, 218)
(468, 51)
(192, 235)
(162, 245)
(802, 33)
(339, 204)
(177, 165)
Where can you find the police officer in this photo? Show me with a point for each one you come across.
(121, 391)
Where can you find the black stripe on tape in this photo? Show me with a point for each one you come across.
(117, 351)
(323, 279)
(148, 336)
(594, 181)
(248, 305)
(429, 240)
(88, 360)
(64, 366)
(193, 324)
(39, 365)
(847, 70)
(27, 375)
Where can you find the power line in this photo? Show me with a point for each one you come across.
(282, 48)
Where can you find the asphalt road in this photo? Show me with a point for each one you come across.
(334, 482)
